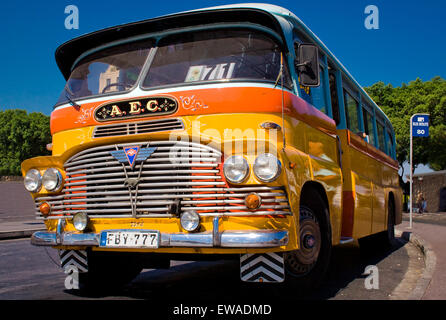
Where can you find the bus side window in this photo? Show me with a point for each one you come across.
(351, 110)
(389, 145)
(368, 126)
(334, 98)
(381, 139)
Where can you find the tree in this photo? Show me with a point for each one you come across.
(22, 136)
(400, 103)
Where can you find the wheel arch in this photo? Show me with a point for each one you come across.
(322, 209)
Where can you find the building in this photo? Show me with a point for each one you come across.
(107, 78)
(433, 187)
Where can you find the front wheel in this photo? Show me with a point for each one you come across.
(306, 267)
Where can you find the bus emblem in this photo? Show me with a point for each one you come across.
(132, 154)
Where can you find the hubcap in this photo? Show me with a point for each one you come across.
(302, 261)
(309, 241)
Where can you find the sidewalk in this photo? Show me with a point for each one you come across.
(431, 227)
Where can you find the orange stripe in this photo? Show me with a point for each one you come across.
(208, 101)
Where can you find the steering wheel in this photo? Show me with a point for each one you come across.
(117, 84)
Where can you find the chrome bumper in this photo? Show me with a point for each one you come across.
(225, 239)
(228, 239)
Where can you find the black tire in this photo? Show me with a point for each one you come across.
(387, 237)
(305, 268)
(383, 239)
(107, 272)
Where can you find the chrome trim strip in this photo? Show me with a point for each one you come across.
(229, 239)
(216, 239)
(68, 214)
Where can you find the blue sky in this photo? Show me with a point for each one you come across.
(410, 42)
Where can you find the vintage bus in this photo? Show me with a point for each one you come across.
(219, 133)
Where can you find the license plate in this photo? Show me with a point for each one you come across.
(130, 239)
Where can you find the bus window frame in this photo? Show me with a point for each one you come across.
(323, 86)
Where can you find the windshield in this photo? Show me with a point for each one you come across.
(110, 70)
(180, 59)
(215, 55)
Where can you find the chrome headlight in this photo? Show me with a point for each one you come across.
(236, 169)
(80, 221)
(267, 167)
(190, 220)
(52, 179)
(33, 180)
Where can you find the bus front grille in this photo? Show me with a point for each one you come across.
(176, 177)
(131, 128)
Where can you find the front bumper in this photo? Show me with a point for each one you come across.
(226, 239)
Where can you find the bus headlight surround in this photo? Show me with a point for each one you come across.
(52, 179)
(236, 169)
(80, 221)
(267, 167)
(190, 221)
(33, 180)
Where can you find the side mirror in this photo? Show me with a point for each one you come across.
(307, 64)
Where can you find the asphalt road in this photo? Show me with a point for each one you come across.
(28, 272)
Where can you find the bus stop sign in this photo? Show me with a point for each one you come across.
(420, 126)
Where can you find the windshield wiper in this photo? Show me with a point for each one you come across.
(73, 104)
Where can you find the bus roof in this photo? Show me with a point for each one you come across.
(68, 53)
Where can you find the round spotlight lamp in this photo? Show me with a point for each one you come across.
(80, 221)
(236, 169)
(52, 179)
(190, 221)
(33, 180)
(267, 167)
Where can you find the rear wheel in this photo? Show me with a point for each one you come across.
(387, 237)
(306, 267)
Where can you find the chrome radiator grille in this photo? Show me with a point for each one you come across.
(184, 175)
(130, 128)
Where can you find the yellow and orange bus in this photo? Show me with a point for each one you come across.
(215, 133)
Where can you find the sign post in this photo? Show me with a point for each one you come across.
(419, 127)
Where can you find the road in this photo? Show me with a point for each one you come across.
(28, 272)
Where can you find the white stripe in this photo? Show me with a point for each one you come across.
(138, 93)
(75, 254)
(261, 269)
(261, 259)
(78, 266)
(275, 256)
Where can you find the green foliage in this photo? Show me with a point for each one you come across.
(22, 136)
(400, 103)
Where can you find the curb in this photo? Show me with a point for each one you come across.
(17, 234)
(430, 261)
